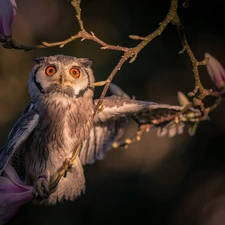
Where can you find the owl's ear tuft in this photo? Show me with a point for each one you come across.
(86, 62)
(39, 60)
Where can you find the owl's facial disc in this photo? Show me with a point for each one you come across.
(62, 76)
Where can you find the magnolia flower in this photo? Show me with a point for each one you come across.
(7, 15)
(216, 71)
(13, 194)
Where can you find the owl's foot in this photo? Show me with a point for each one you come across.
(41, 190)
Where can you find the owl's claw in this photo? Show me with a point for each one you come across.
(41, 190)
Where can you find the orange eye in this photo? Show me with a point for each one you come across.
(75, 72)
(50, 70)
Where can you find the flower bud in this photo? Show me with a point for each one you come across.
(7, 15)
(216, 71)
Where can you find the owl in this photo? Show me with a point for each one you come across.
(61, 117)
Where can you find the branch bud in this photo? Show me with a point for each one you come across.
(216, 71)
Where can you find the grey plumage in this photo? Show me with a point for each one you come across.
(60, 117)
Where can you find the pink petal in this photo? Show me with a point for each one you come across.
(216, 71)
(13, 194)
(7, 15)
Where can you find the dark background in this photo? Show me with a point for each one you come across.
(168, 181)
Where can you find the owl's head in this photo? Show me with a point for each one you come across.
(61, 75)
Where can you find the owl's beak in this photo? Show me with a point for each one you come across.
(62, 79)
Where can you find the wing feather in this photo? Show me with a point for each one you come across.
(115, 106)
(101, 139)
(19, 133)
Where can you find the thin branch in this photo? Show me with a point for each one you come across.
(109, 79)
(186, 47)
(61, 44)
(169, 18)
(135, 137)
(199, 92)
(12, 44)
(132, 52)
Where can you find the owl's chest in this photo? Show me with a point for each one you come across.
(62, 126)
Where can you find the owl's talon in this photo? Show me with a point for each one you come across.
(41, 188)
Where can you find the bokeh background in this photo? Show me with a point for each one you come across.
(168, 181)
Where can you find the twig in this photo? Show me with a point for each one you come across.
(133, 52)
(135, 137)
(199, 92)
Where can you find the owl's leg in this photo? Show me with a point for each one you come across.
(42, 188)
(67, 164)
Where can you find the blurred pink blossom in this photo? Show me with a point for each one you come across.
(13, 194)
(216, 71)
(7, 15)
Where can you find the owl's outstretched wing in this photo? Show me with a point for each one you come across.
(103, 134)
(109, 123)
(19, 133)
